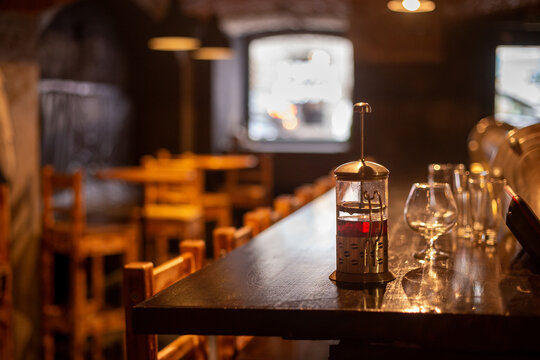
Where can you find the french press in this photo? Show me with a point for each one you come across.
(361, 215)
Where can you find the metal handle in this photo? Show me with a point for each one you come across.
(362, 108)
(371, 244)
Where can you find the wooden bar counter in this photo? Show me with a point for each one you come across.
(278, 285)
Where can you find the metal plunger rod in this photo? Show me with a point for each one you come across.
(362, 108)
(362, 136)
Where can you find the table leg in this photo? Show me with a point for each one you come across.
(212, 347)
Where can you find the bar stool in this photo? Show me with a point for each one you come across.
(304, 193)
(172, 209)
(226, 239)
(285, 204)
(217, 205)
(142, 280)
(250, 188)
(258, 219)
(65, 233)
(6, 279)
(322, 184)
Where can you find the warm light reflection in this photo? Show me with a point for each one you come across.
(411, 6)
(281, 110)
(423, 309)
(290, 123)
(476, 168)
(173, 43)
(213, 53)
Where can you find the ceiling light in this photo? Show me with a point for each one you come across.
(175, 32)
(411, 6)
(214, 43)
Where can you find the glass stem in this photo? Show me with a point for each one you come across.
(431, 245)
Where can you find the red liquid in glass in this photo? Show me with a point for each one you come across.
(361, 229)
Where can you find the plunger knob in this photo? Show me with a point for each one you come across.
(362, 107)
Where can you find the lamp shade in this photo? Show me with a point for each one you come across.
(215, 44)
(411, 6)
(175, 33)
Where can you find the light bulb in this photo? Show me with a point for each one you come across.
(411, 5)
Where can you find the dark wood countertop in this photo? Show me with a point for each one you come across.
(278, 285)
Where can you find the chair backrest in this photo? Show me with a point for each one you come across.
(262, 175)
(4, 223)
(322, 185)
(6, 280)
(228, 238)
(285, 204)
(63, 198)
(260, 218)
(187, 188)
(141, 281)
(304, 193)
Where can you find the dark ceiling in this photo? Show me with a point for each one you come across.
(234, 9)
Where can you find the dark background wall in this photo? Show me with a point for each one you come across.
(428, 82)
(429, 79)
(105, 42)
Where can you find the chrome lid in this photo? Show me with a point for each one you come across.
(361, 170)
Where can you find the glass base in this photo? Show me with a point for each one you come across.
(431, 254)
(464, 232)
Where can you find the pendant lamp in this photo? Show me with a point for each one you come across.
(411, 6)
(215, 44)
(175, 33)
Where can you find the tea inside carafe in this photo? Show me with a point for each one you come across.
(354, 219)
(362, 234)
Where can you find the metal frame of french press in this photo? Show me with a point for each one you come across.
(361, 171)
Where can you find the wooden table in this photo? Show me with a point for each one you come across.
(139, 174)
(225, 162)
(278, 285)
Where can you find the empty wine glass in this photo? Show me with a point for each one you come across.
(431, 210)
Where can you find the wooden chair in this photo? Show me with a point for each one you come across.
(226, 239)
(285, 204)
(322, 184)
(142, 280)
(6, 280)
(65, 233)
(250, 188)
(217, 205)
(260, 218)
(172, 210)
(304, 194)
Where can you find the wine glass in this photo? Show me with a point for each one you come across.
(431, 210)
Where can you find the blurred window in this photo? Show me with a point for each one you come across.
(517, 85)
(300, 92)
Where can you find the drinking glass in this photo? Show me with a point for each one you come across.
(444, 173)
(431, 211)
(494, 212)
(477, 183)
(461, 195)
